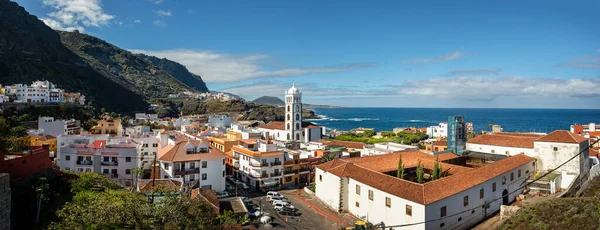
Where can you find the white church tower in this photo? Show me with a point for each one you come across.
(293, 114)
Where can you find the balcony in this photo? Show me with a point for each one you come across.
(261, 176)
(264, 164)
(276, 163)
(276, 174)
(186, 171)
(237, 157)
(112, 175)
(109, 163)
(289, 173)
(304, 170)
(85, 162)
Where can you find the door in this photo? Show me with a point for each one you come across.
(296, 181)
(505, 197)
(257, 185)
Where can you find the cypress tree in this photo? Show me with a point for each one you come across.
(400, 172)
(420, 173)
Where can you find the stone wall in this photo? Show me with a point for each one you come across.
(506, 212)
(4, 201)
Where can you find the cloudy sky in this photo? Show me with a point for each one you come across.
(515, 54)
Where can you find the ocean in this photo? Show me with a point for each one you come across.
(511, 120)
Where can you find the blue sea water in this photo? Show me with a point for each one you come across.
(511, 120)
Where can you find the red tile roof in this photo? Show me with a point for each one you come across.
(518, 140)
(595, 151)
(594, 134)
(170, 185)
(562, 136)
(98, 144)
(346, 144)
(368, 170)
(208, 196)
(178, 154)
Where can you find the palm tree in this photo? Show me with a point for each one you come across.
(328, 157)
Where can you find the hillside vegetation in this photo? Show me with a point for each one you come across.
(178, 71)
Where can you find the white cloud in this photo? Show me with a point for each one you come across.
(158, 1)
(120, 22)
(215, 67)
(137, 21)
(159, 23)
(458, 88)
(587, 62)
(446, 57)
(465, 72)
(163, 13)
(72, 15)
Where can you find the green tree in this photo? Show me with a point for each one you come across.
(136, 173)
(181, 212)
(105, 210)
(420, 173)
(400, 172)
(436, 172)
(328, 157)
(89, 181)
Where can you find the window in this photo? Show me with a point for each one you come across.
(297, 126)
(320, 178)
(388, 202)
(408, 210)
(519, 173)
(166, 166)
(466, 201)
(155, 145)
(503, 180)
(512, 176)
(442, 225)
(203, 176)
(527, 172)
(493, 151)
(127, 159)
(223, 161)
(481, 194)
(145, 145)
(297, 116)
(555, 149)
(357, 189)
(105, 158)
(192, 165)
(288, 178)
(146, 153)
(357, 204)
(223, 173)
(204, 164)
(88, 170)
(127, 171)
(67, 158)
(460, 218)
(494, 187)
(370, 194)
(105, 171)
(443, 211)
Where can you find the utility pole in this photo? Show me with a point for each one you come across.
(154, 176)
(39, 206)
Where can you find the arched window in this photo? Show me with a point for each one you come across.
(288, 126)
(297, 126)
(297, 108)
(297, 116)
(288, 136)
(288, 108)
(288, 116)
(297, 136)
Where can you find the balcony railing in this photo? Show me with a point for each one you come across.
(264, 164)
(289, 172)
(109, 163)
(112, 175)
(304, 170)
(185, 171)
(276, 174)
(85, 162)
(259, 176)
(275, 163)
(237, 157)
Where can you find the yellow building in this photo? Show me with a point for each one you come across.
(108, 125)
(298, 171)
(222, 143)
(233, 135)
(38, 141)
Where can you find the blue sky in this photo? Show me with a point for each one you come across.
(517, 54)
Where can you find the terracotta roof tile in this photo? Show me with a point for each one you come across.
(517, 140)
(562, 136)
(368, 170)
(595, 151)
(208, 196)
(178, 154)
(170, 185)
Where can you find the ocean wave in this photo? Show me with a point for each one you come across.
(415, 120)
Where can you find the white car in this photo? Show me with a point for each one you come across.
(271, 193)
(283, 204)
(276, 198)
(278, 206)
(221, 195)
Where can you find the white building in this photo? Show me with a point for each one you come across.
(293, 128)
(440, 130)
(258, 163)
(365, 188)
(114, 157)
(147, 149)
(247, 133)
(182, 121)
(138, 130)
(550, 150)
(196, 162)
(146, 117)
(38, 91)
(385, 148)
(220, 121)
(586, 130)
(3, 98)
(49, 126)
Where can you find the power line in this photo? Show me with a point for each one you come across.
(489, 202)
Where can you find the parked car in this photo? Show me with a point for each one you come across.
(283, 204)
(276, 198)
(278, 206)
(255, 213)
(244, 199)
(289, 212)
(229, 187)
(272, 193)
(221, 195)
(242, 184)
